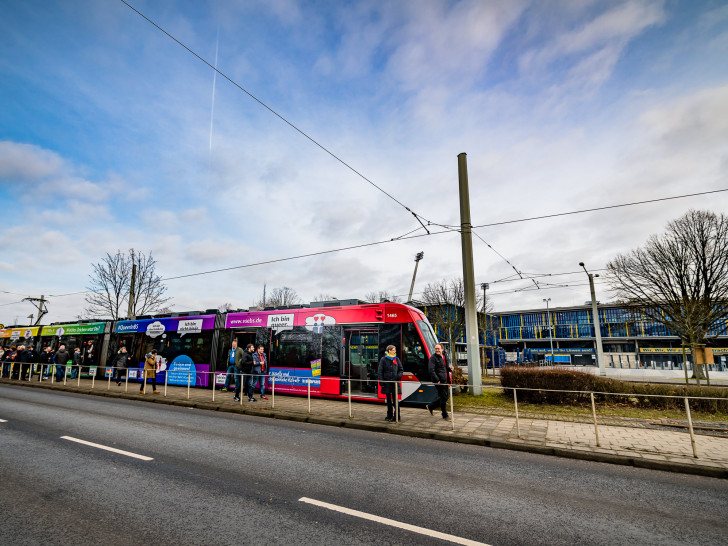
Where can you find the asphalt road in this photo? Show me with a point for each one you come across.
(218, 478)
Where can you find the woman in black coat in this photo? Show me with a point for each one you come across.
(390, 370)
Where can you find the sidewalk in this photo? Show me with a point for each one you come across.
(636, 446)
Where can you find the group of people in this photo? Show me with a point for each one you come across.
(26, 356)
(390, 372)
(249, 366)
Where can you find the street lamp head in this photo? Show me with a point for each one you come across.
(581, 264)
(419, 256)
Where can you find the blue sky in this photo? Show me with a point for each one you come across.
(108, 140)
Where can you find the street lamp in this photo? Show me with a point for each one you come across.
(595, 315)
(485, 287)
(551, 337)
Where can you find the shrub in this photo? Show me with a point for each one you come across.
(562, 379)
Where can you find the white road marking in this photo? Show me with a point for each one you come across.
(3, 421)
(107, 448)
(393, 523)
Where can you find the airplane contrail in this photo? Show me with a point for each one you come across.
(214, 79)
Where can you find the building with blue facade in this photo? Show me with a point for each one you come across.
(629, 338)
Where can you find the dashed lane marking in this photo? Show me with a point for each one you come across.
(393, 523)
(107, 448)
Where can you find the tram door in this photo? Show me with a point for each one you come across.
(359, 361)
(244, 337)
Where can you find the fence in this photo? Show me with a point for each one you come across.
(247, 381)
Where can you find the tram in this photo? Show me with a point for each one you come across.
(332, 349)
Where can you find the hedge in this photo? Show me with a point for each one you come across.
(561, 379)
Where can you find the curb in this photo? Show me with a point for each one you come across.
(522, 446)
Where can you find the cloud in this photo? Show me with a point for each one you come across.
(27, 163)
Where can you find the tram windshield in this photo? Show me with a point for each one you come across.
(428, 335)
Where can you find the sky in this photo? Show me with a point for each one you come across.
(334, 123)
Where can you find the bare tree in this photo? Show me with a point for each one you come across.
(225, 307)
(380, 296)
(110, 283)
(680, 278)
(280, 297)
(445, 308)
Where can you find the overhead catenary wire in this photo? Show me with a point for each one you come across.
(595, 209)
(418, 217)
(445, 230)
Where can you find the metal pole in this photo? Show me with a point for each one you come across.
(515, 403)
(144, 382)
(349, 383)
(452, 408)
(309, 395)
(79, 376)
(166, 375)
(594, 414)
(126, 381)
(108, 388)
(213, 384)
(65, 374)
(396, 403)
(471, 319)
(485, 287)
(597, 328)
(690, 426)
(551, 336)
(273, 392)
(189, 378)
(93, 379)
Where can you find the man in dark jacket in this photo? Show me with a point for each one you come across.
(61, 358)
(120, 364)
(439, 374)
(29, 358)
(46, 359)
(246, 367)
(77, 362)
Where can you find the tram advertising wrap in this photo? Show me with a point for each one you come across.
(182, 343)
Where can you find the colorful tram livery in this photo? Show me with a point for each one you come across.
(330, 347)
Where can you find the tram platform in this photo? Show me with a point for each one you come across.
(640, 444)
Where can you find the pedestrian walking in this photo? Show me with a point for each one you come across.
(439, 372)
(246, 367)
(260, 371)
(61, 359)
(150, 371)
(120, 364)
(390, 370)
(233, 371)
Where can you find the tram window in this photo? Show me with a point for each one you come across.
(413, 353)
(294, 349)
(389, 334)
(331, 345)
(427, 333)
